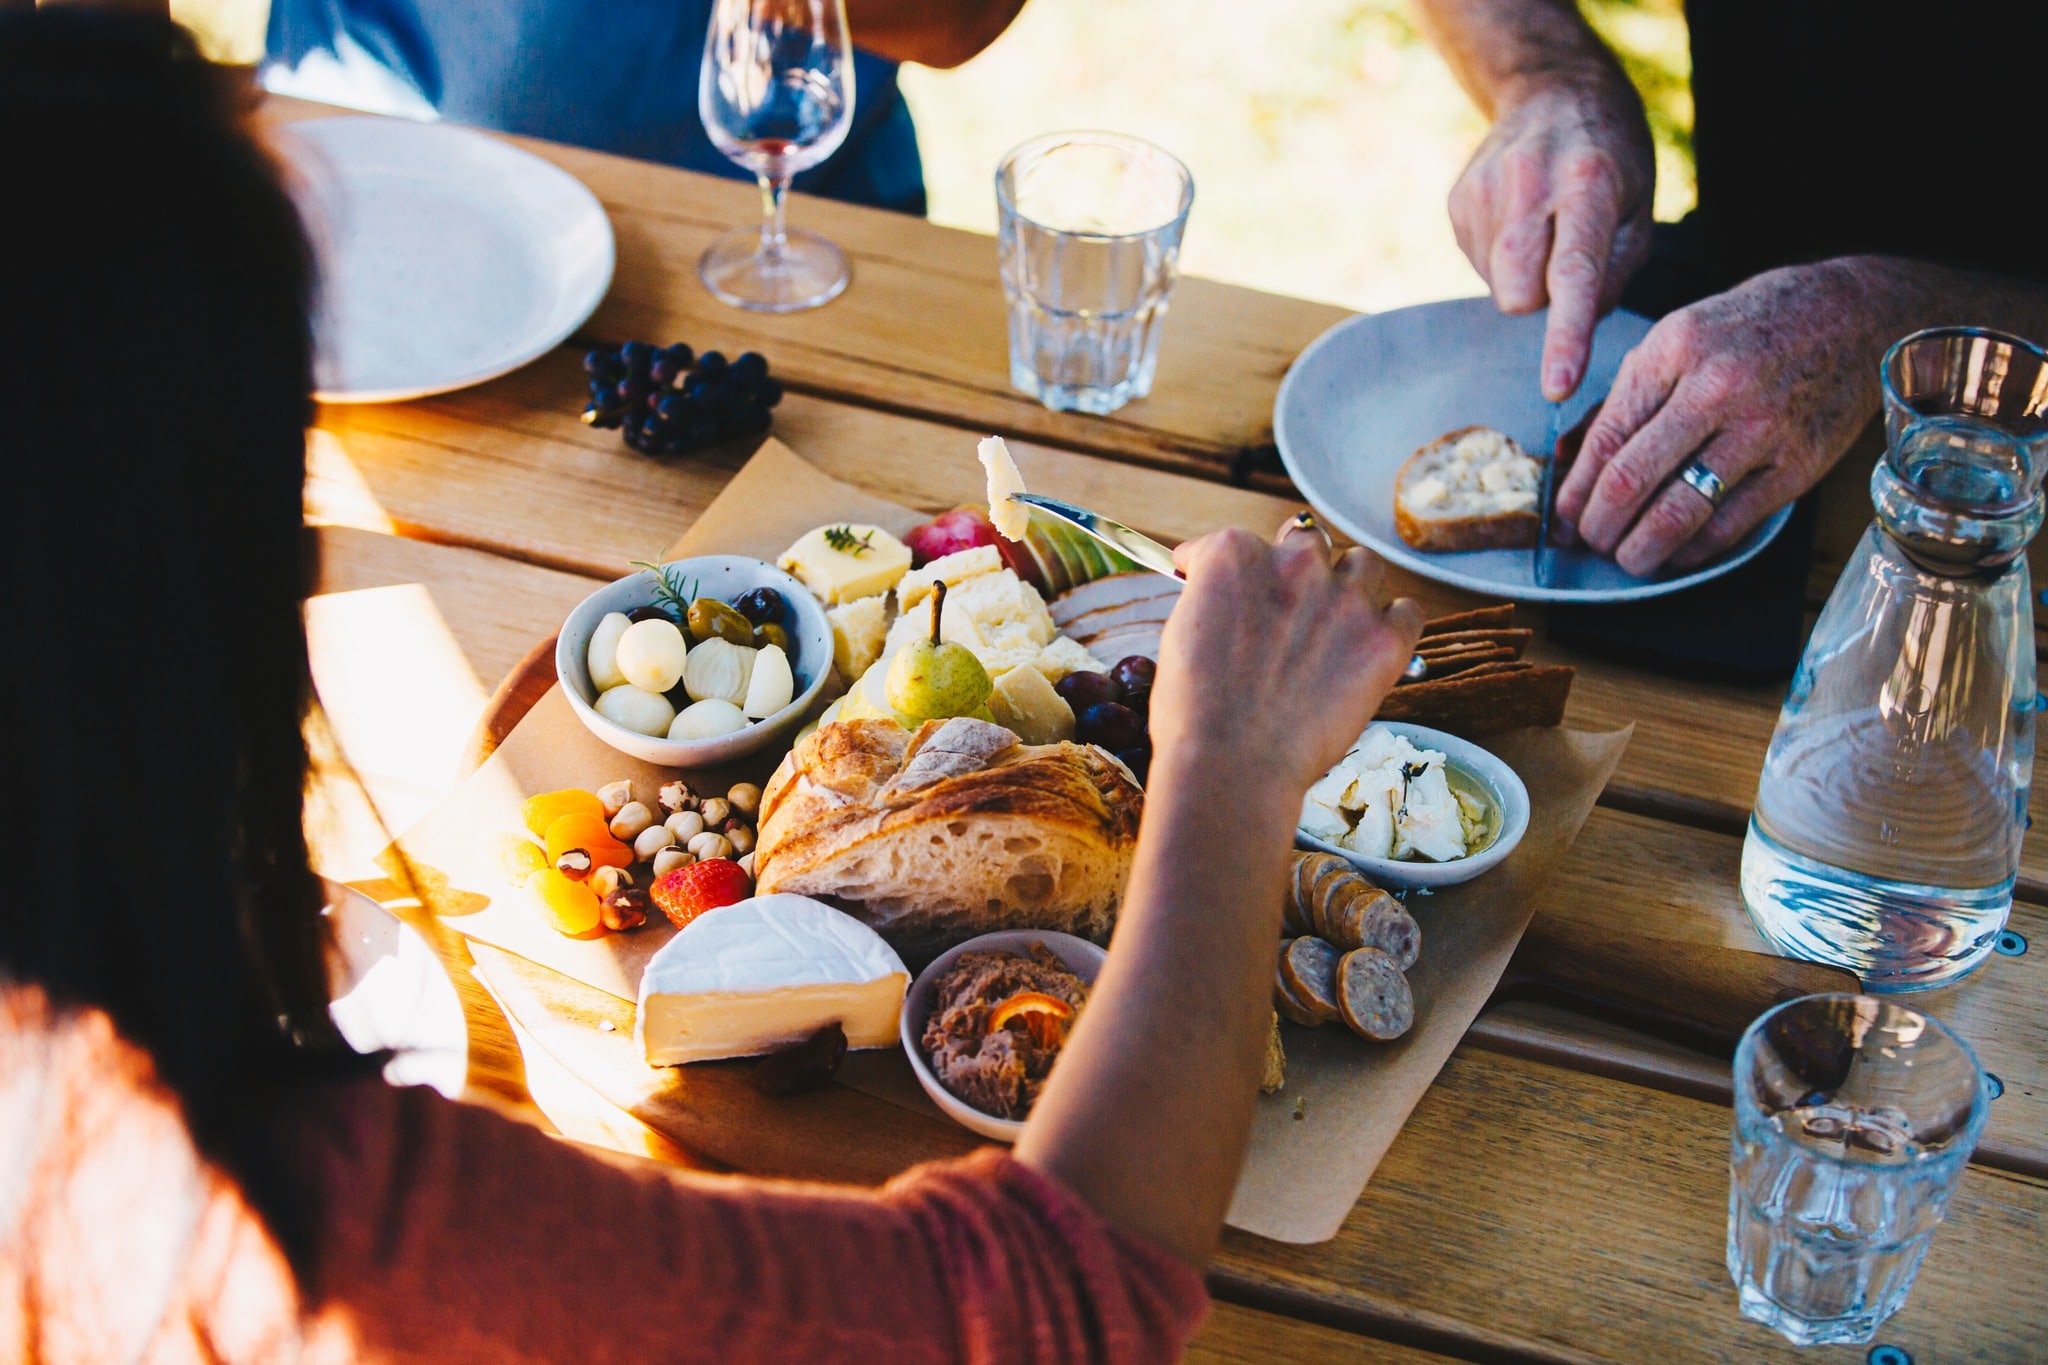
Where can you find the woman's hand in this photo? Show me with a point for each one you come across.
(1766, 385)
(1554, 208)
(1276, 656)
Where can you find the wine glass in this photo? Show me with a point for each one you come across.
(776, 96)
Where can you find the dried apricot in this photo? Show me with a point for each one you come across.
(519, 858)
(543, 810)
(587, 832)
(569, 907)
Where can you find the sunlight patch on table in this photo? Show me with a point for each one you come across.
(400, 697)
(337, 494)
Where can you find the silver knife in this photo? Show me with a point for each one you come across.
(1540, 565)
(1138, 546)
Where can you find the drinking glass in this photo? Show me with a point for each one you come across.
(776, 96)
(1090, 247)
(1854, 1119)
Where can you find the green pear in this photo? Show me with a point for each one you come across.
(929, 680)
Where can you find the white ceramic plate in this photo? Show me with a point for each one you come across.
(391, 994)
(1078, 955)
(447, 257)
(1376, 388)
(1501, 783)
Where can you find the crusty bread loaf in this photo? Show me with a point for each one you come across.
(1027, 837)
(1470, 489)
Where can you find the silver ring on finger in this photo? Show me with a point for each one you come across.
(1704, 482)
(1305, 521)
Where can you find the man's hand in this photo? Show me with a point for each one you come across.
(1555, 208)
(1767, 385)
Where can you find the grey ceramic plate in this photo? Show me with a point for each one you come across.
(1376, 388)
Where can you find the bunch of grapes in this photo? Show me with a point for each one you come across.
(1114, 710)
(666, 400)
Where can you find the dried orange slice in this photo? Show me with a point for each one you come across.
(1046, 1017)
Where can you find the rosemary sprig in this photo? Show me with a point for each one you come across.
(671, 588)
(842, 539)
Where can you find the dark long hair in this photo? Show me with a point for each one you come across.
(154, 392)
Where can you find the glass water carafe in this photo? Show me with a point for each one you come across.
(1886, 834)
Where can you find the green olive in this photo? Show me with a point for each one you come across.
(770, 633)
(710, 617)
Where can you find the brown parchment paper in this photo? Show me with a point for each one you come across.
(1314, 1145)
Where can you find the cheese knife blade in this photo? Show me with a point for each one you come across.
(1541, 565)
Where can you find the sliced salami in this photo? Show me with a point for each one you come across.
(1373, 996)
(1308, 966)
(1290, 1006)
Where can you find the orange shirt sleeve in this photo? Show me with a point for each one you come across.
(448, 1232)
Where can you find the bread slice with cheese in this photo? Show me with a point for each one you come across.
(1471, 489)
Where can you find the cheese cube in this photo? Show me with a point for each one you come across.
(858, 629)
(1024, 703)
(1066, 655)
(870, 562)
(767, 972)
(953, 569)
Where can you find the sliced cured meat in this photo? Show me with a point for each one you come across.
(1115, 645)
(1110, 592)
(1373, 995)
(1139, 611)
(1308, 966)
(1291, 1007)
(1389, 927)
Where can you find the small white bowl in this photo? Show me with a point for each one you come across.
(1082, 958)
(1486, 772)
(724, 577)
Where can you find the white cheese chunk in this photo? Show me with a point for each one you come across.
(1388, 799)
(953, 570)
(1011, 519)
(858, 629)
(768, 972)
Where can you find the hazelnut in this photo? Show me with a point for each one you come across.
(745, 798)
(671, 858)
(685, 825)
(707, 846)
(716, 812)
(747, 866)
(677, 796)
(631, 819)
(575, 864)
(625, 908)
(740, 837)
(651, 841)
(606, 880)
(614, 796)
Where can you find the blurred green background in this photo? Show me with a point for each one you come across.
(1323, 135)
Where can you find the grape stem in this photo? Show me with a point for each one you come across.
(938, 604)
(774, 235)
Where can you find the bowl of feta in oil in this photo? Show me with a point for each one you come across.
(1410, 806)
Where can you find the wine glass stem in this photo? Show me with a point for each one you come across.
(774, 193)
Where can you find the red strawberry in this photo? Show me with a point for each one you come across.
(683, 893)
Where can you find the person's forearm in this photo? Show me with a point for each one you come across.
(1502, 51)
(930, 34)
(1903, 296)
(1148, 1113)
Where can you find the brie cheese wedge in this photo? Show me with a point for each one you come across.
(749, 978)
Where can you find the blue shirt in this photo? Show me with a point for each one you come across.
(617, 75)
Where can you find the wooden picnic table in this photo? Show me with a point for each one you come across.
(1559, 1195)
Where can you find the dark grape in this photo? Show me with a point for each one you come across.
(1139, 761)
(665, 400)
(1133, 679)
(1113, 725)
(761, 605)
(1085, 689)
